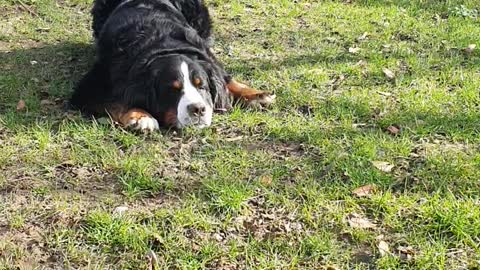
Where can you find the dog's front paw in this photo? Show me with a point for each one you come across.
(140, 120)
(144, 124)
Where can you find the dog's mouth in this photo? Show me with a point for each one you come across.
(194, 115)
(171, 119)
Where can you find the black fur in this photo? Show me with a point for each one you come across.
(140, 44)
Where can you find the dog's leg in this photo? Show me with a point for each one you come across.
(91, 90)
(133, 118)
(90, 95)
(250, 96)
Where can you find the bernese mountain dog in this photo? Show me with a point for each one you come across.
(155, 68)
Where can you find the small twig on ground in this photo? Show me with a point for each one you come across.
(27, 8)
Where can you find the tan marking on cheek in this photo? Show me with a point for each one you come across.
(170, 118)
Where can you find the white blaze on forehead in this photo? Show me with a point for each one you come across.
(191, 96)
(187, 84)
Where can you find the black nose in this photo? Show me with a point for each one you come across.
(196, 109)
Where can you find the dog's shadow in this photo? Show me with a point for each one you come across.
(42, 78)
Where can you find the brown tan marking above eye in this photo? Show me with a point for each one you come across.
(177, 85)
(197, 82)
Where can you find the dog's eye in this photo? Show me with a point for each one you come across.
(197, 82)
(177, 85)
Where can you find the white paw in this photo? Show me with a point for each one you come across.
(262, 100)
(144, 124)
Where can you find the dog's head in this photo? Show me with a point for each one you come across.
(179, 90)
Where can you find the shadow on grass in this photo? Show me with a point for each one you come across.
(450, 58)
(430, 5)
(46, 73)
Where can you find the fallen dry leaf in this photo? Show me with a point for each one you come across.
(361, 63)
(120, 210)
(383, 166)
(234, 139)
(359, 222)
(21, 105)
(470, 48)
(363, 36)
(386, 94)
(364, 191)
(331, 39)
(335, 83)
(383, 248)
(266, 180)
(353, 50)
(394, 130)
(406, 253)
(388, 73)
(217, 237)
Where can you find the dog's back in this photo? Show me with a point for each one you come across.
(194, 12)
(101, 11)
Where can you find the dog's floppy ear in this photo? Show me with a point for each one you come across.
(222, 100)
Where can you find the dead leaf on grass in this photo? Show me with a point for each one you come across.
(353, 50)
(386, 94)
(383, 248)
(394, 130)
(359, 222)
(406, 253)
(234, 139)
(266, 180)
(120, 210)
(363, 36)
(364, 191)
(21, 105)
(335, 83)
(383, 166)
(361, 63)
(470, 48)
(388, 73)
(218, 237)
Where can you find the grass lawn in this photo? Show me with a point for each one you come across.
(377, 95)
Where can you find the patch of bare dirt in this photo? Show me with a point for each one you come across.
(82, 179)
(26, 244)
(21, 181)
(279, 150)
(260, 221)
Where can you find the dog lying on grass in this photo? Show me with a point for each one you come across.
(154, 67)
